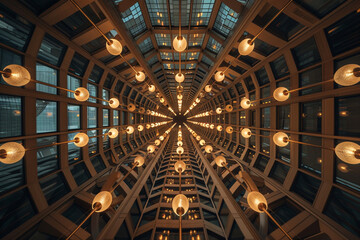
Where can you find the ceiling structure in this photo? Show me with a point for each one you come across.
(311, 192)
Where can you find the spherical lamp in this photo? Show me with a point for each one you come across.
(180, 166)
(152, 88)
(113, 133)
(219, 76)
(180, 204)
(179, 143)
(115, 48)
(348, 152)
(219, 128)
(131, 107)
(179, 43)
(161, 138)
(245, 103)
(180, 150)
(208, 149)
(141, 110)
(151, 148)
(246, 133)
(140, 76)
(229, 129)
(114, 102)
(179, 77)
(157, 142)
(281, 94)
(139, 160)
(245, 48)
(281, 139)
(208, 88)
(202, 142)
(16, 75)
(257, 201)
(148, 126)
(212, 126)
(81, 139)
(11, 152)
(220, 160)
(81, 94)
(229, 108)
(347, 75)
(130, 129)
(218, 110)
(198, 138)
(104, 198)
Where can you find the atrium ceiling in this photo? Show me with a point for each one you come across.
(311, 192)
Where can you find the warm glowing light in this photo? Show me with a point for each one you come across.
(81, 94)
(115, 48)
(348, 152)
(245, 103)
(179, 77)
(220, 161)
(347, 75)
(219, 76)
(139, 160)
(16, 75)
(11, 152)
(229, 129)
(179, 43)
(245, 48)
(281, 94)
(113, 133)
(140, 76)
(130, 129)
(208, 88)
(180, 204)
(104, 198)
(180, 166)
(246, 133)
(281, 139)
(208, 149)
(257, 201)
(152, 88)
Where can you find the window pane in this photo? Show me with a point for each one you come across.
(51, 50)
(72, 83)
(96, 74)
(74, 152)
(265, 117)
(115, 117)
(311, 117)
(15, 209)
(10, 116)
(279, 68)
(283, 117)
(92, 117)
(306, 54)
(306, 186)
(310, 77)
(347, 116)
(320, 8)
(279, 172)
(54, 187)
(73, 117)
(7, 58)
(105, 117)
(344, 34)
(46, 116)
(11, 176)
(310, 157)
(47, 158)
(80, 173)
(15, 31)
(47, 75)
(78, 65)
(93, 92)
(262, 77)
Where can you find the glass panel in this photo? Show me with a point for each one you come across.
(47, 75)
(279, 172)
(93, 92)
(343, 208)
(80, 173)
(48, 157)
(15, 31)
(311, 117)
(347, 116)
(306, 186)
(225, 20)
(310, 77)
(310, 157)
(10, 116)
(46, 116)
(265, 117)
(15, 210)
(279, 67)
(72, 83)
(51, 50)
(262, 76)
(306, 54)
(283, 117)
(344, 35)
(7, 58)
(74, 152)
(73, 112)
(134, 20)
(320, 8)
(78, 65)
(11, 176)
(98, 163)
(91, 117)
(96, 74)
(54, 187)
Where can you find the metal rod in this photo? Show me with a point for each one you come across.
(309, 144)
(100, 99)
(128, 63)
(125, 176)
(98, 29)
(50, 145)
(276, 15)
(273, 219)
(311, 85)
(97, 207)
(180, 227)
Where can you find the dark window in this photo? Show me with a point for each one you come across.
(344, 34)
(96, 74)
(261, 162)
(311, 113)
(80, 173)
(309, 77)
(249, 84)
(78, 65)
(47, 75)
(343, 208)
(46, 116)
(54, 187)
(279, 67)
(76, 214)
(10, 116)
(16, 209)
(262, 76)
(306, 54)
(51, 50)
(235, 232)
(7, 58)
(38, 6)
(16, 31)
(279, 172)
(283, 117)
(48, 157)
(135, 214)
(73, 117)
(98, 163)
(320, 8)
(211, 217)
(347, 116)
(310, 157)
(305, 186)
